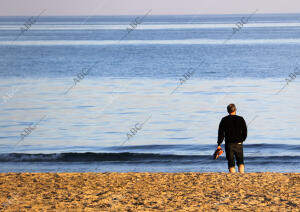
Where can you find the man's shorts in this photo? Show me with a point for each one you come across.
(234, 150)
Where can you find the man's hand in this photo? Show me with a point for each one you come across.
(218, 152)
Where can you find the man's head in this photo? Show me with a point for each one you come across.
(231, 109)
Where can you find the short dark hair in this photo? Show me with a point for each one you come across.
(231, 108)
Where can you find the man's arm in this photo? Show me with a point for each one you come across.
(244, 129)
(221, 133)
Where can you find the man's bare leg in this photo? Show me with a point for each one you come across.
(232, 169)
(241, 168)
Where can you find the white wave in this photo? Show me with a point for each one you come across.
(144, 26)
(151, 42)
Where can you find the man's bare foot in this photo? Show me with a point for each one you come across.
(232, 169)
(241, 168)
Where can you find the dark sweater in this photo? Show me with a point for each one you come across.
(233, 128)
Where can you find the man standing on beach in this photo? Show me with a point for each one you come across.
(234, 129)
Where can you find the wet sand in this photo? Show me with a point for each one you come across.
(149, 192)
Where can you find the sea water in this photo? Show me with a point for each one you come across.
(89, 95)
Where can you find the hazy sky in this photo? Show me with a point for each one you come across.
(134, 7)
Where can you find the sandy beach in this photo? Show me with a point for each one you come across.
(149, 192)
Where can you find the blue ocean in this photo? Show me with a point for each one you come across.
(147, 93)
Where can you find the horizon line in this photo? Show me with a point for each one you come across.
(208, 14)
